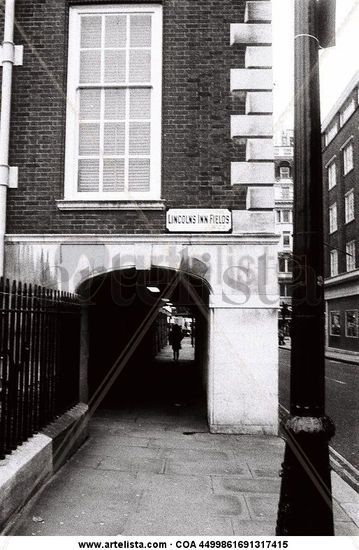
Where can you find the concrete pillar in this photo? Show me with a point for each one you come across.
(243, 371)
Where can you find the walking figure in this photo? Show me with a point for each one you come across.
(175, 339)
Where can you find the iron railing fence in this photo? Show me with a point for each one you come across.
(39, 359)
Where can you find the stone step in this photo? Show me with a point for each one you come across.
(251, 126)
(252, 173)
(260, 149)
(258, 11)
(251, 33)
(259, 103)
(258, 56)
(260, 198)
(251, 79)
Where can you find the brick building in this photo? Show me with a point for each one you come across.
(283, 193)
(341, 227)
(122, 112)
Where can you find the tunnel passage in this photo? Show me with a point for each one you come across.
(129, 314)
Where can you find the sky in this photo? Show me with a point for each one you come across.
(337, 64)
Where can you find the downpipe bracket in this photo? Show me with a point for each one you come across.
(9, 176)
(9, 53)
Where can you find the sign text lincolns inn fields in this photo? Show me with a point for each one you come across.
(195, 220)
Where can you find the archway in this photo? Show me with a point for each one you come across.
(130, 362)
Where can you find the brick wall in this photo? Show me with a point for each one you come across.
(197, 104)
(346, 232)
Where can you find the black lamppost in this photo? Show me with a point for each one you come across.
(305, 506)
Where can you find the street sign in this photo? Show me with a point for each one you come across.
(198, 220)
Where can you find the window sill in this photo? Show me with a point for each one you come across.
(111, 205)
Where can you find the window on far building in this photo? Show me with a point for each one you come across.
(331, 132)
(352, 323)
(286, 239)
(113, 139)
(284, 216)
(348, 158)
(285, 264)
(332, 175)
(350, 255)
(333, 263)
(282, 264)
(349, 206)
(285, 290)
(347, 112)
(334, 323)
(333, 218)
(284, 172)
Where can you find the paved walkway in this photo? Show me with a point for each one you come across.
(157, 471)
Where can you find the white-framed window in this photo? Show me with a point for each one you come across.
(284, 216)
(333, 218)
(332, 175)
(349, 206)
(348, 158)
(347, 112)
(284, 172)
(350, 255)
(331, 132)
(285, 264)
(286, 239)
(352, 323)
(113, 132)
(333, 263)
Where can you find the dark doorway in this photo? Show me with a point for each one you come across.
(130, 361)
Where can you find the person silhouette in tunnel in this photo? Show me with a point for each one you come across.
(176, 337)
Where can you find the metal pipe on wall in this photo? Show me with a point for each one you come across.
(8, 59)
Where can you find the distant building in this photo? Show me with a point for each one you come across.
(283, 192)
(341, 221)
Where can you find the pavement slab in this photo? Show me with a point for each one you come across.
(156, 470)
(121, 483)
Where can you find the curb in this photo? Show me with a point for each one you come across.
(32, 464)
(333, 357)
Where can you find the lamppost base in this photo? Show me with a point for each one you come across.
(305, 505)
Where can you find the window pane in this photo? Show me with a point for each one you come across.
(90, 32)
(115, 104)
(114, 143)
(282, 265)
(115, 31)
(140, 31)
(352, 324)
(140, 138)
(90, 67)
(335, 323)
(115, 66)
(286, 216)
(139, 175)
(113, 175)
(140, 66)
(90, 104)
(89, 139)
(140, 104)
(88, 178)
